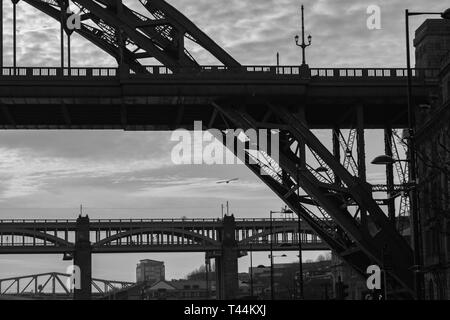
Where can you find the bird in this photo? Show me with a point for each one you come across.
(228, 181)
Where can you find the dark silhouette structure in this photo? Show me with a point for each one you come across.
(336, 201)
(223, 240)
(433, 160)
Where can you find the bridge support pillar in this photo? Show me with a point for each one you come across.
(83, 259)
(227, 264)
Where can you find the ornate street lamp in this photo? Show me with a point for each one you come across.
(303, 45)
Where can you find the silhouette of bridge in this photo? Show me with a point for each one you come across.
(328, 189)
(53, 285)
(153, 235)
(158, 98)
(222, 239)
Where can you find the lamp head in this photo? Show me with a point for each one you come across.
(446, 14)
(309, 39)
(296, 39)
(383, 160)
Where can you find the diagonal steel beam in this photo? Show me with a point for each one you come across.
(90, 33)
(178, 20)
(370, 244)
(385, 234)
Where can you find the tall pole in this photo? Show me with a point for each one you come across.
(68, 51)
(62, 39)
(251, 270)
(278, 62)
(303, 45)
(300, 258)
(207, 276)
(14, 35)
(303, 37)
(271, 259)
(1, 36)
(412, 172)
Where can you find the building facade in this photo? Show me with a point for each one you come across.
(150, 271)
(432, 42)
(317, 281)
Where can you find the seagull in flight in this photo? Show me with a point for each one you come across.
(228, 181)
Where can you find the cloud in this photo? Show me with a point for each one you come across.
(24, 173)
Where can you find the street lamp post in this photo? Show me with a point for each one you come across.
(271, 257)
(300, 258)
(418, 277)
(251, 270)
(303, 45)
(272, 285)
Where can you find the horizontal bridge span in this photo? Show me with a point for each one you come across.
(154, 235)
(220, 72)
(106, 98)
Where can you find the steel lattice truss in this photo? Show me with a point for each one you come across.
(402, 170)
(129, 36)
(322, 202)
(54, 284)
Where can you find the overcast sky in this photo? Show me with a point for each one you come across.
(124, 174)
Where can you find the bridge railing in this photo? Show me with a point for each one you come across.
(58, 72)
(62, 221)
(373, 72)
(270, 71)
(38, 221)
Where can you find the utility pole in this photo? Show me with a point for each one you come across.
(271, 259)
(1, 35)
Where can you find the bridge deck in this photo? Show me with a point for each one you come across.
(107, 98)
(20, 236)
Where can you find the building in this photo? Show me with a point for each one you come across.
(150, 271)
(180, 290)
(432, 42)
(317, 281)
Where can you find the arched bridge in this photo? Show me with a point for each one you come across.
(153, 235)
(54, 285)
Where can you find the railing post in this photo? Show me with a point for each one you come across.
(305, 72)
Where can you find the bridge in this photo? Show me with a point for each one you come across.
(224, 240)
(153, 235)
(54, 285)
(157, 98)
(319, 185)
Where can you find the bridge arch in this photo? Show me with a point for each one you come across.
(36, 235)
(180, 233)
(129, 36)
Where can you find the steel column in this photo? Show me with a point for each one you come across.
(389, 174)
(336, 149)
(361, 151)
